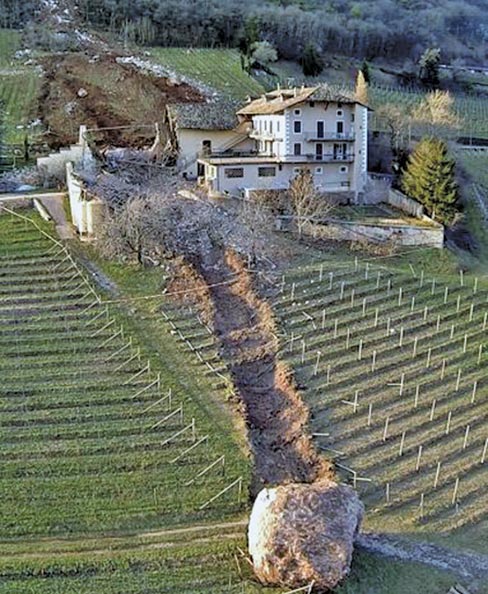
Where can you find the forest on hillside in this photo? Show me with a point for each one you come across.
(395, 29)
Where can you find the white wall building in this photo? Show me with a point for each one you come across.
(288, 130)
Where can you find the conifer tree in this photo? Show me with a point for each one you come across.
(429, 178)
(311, 61)
(361, 93)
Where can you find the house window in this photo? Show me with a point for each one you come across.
(271, 126)
(206, 146)
(319, 171)
(278, 126)
(319, 151)
(352, 117)
(312, 103)
(233, 172)
(298, 112)
(297, 148)
(297, 127)
(266, 171)
(340, 113)
(320, 129)
(344, 169)
(340, 127)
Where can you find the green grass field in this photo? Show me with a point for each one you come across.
(19, 88)
(218, 68)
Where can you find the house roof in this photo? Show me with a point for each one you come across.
(218, 114)
(281, 99)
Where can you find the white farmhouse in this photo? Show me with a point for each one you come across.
(285, 131)
(204, 127)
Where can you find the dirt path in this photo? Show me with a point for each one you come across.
(276, 417)
(465, 564)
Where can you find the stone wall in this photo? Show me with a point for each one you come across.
(430, 235)
(405, 204)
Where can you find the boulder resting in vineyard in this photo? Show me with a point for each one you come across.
(304, 533)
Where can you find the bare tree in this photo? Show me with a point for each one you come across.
(307, 204)
(435, 115)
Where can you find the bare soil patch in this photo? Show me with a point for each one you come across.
(113, 94)
(276, 417)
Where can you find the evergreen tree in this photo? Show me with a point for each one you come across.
(311, 61)
(361, 93)
(366, 70)
(429, 178)
(429, 67)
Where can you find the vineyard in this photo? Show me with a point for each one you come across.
(19, 88)
(217, 68)
(97, 442)
(393, 367)
(473, 111)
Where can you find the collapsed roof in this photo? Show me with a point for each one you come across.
(220, 114)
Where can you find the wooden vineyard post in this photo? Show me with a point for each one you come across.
(348, 338)
(443, 369)
(292, 294)
(480, 352)
(387, 492)
(400, 342)
(400, 294)
(321, 272)
(471, 312)
(317, 363)
(475, 286)
(432, 410)
(419, 458)
(458, 380)
(370, 414)
(331, 280)
(376, 317)
(328, 375)
(378, 280)
(429, 356)
(485, 450)
(412, 304)
(432, 291)
(461, 277)
(414, 352)
(352, 297)
(323, 319)
(455, 492)
(473, 394)
(466, 436)
(336, 325)
(437, 475)
(446, 295)
(417, 393)
(402, 444)
(303, 350)
(364, 306)
(465, 344)
(366, 271)
(360, 350)
(485, 320)
(373, 362)
(448, 423)
(421, 506)
(342, 290)
(452, 331)
(438, 325)
(385, 430)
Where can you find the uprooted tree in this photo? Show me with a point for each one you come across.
(307, 204)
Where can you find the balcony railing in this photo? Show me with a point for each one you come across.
(324, 158)
(262, 134)
(229, 154)
(344, 136)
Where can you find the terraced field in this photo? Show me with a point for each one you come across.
(394, 370)
(110, 468)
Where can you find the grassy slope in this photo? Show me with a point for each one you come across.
(220, 69)
(19, 87)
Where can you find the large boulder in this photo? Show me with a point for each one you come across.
(303, 533)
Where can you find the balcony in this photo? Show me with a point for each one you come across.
(329, 136)
(262, 135)
(325, 158)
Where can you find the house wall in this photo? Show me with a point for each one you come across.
(355, 124)
(328, 177)
(190, 143)
(85, 214)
